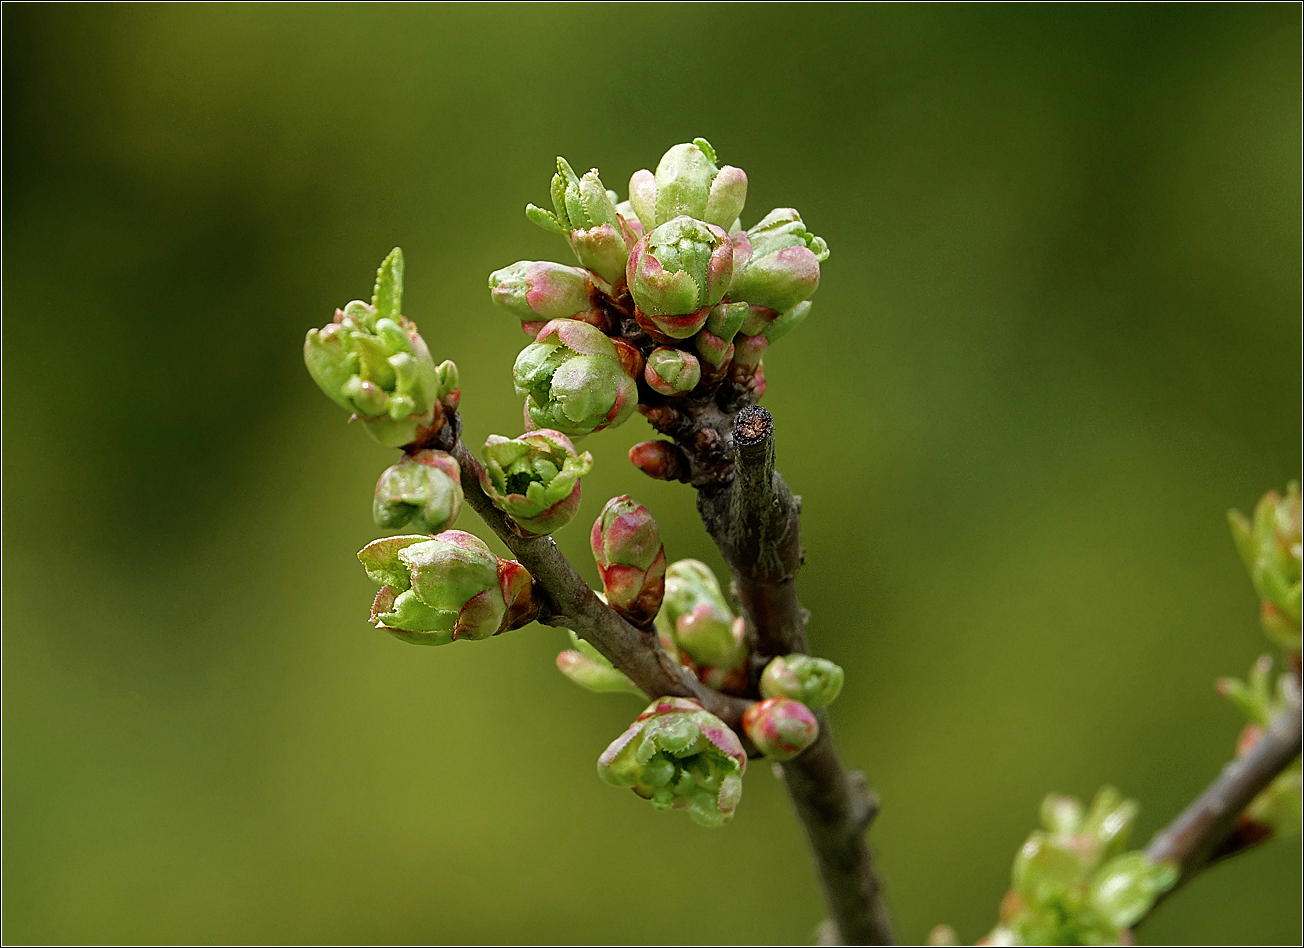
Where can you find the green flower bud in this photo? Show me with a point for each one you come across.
(586, 215)
(537, 291)
(672, 371)
(1270, 547)
(677, 272)
(1126, 887)
(1061, 814)
(437, 589)
(535, 479)
(780, 727)
(687, 182)
(573, 381)
(590, 669)
(777, 262)
(1052, 868)
(679, 756)
(423, 489)
(696, 617)
(1109, 820)
(626, 544)
(372, 361)
(815, 682)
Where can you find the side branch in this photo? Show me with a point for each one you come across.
(754, 521)
(1209, 829)
(571, 603)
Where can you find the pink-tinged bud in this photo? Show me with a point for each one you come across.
(437, 589)
(602, 249)
(538, 291)
(727, 197)
(660, 460)
(573, 380)
(815, 682)
(715, 354)
(756, 320)
(781, 265)
(696, 617)
(423, 489)
(677, 272)
(678, 756)
(661, 417)
(780, 727)
(626, 544)
(631, 360)
(749, 350)
(534, 479)
(672, 371)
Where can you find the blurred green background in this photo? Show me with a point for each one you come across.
(1057, 338)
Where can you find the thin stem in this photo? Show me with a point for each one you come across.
(754, 521)
(1213, 827)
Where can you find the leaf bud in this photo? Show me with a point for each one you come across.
(590, 669)
(661, 460)
(688, 182)
(777, 262)
(1270, 547)
(696, 617)
(585, 214)
(371, 360)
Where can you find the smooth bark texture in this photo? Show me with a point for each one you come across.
(1212, 827)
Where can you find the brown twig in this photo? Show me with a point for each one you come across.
(1212, 827)
(754, 521)
(569, 602)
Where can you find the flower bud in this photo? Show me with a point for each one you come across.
(780, 727)
(372, 361)
(697, 619)
(536, 291)
(1270, 547)
(586, 216)
(535, 479)
(672, 371)
(687, 182)
(679, 756)
(1125, 888)
(626, 544)
(423, 489)
(677, 272)
(590, 669)
(1109, 820)
(777, 262)
(572, 380)
(1061, 814)
(437, 589)
(661, 460)
(815, 682)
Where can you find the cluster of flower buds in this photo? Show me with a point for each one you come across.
(424, 490)
(451, 586)
(671, 274)
(697, 621)
(679, 756)
(1073, 882)
(535, 479)
(1270, 546)
(626, 544)
(1276, 810)
(372, 362)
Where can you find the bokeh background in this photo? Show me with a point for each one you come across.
(1058, 336)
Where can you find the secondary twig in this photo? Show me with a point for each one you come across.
(572, 604)
(1210, 828)
(754, 521)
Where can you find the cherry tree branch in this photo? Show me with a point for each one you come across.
(1213, 826)
(754, 521)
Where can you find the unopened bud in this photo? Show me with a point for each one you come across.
(815, 682)
(672, 371)
(661, 460)
(780, 727)
(626, 544)
(423, 489)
